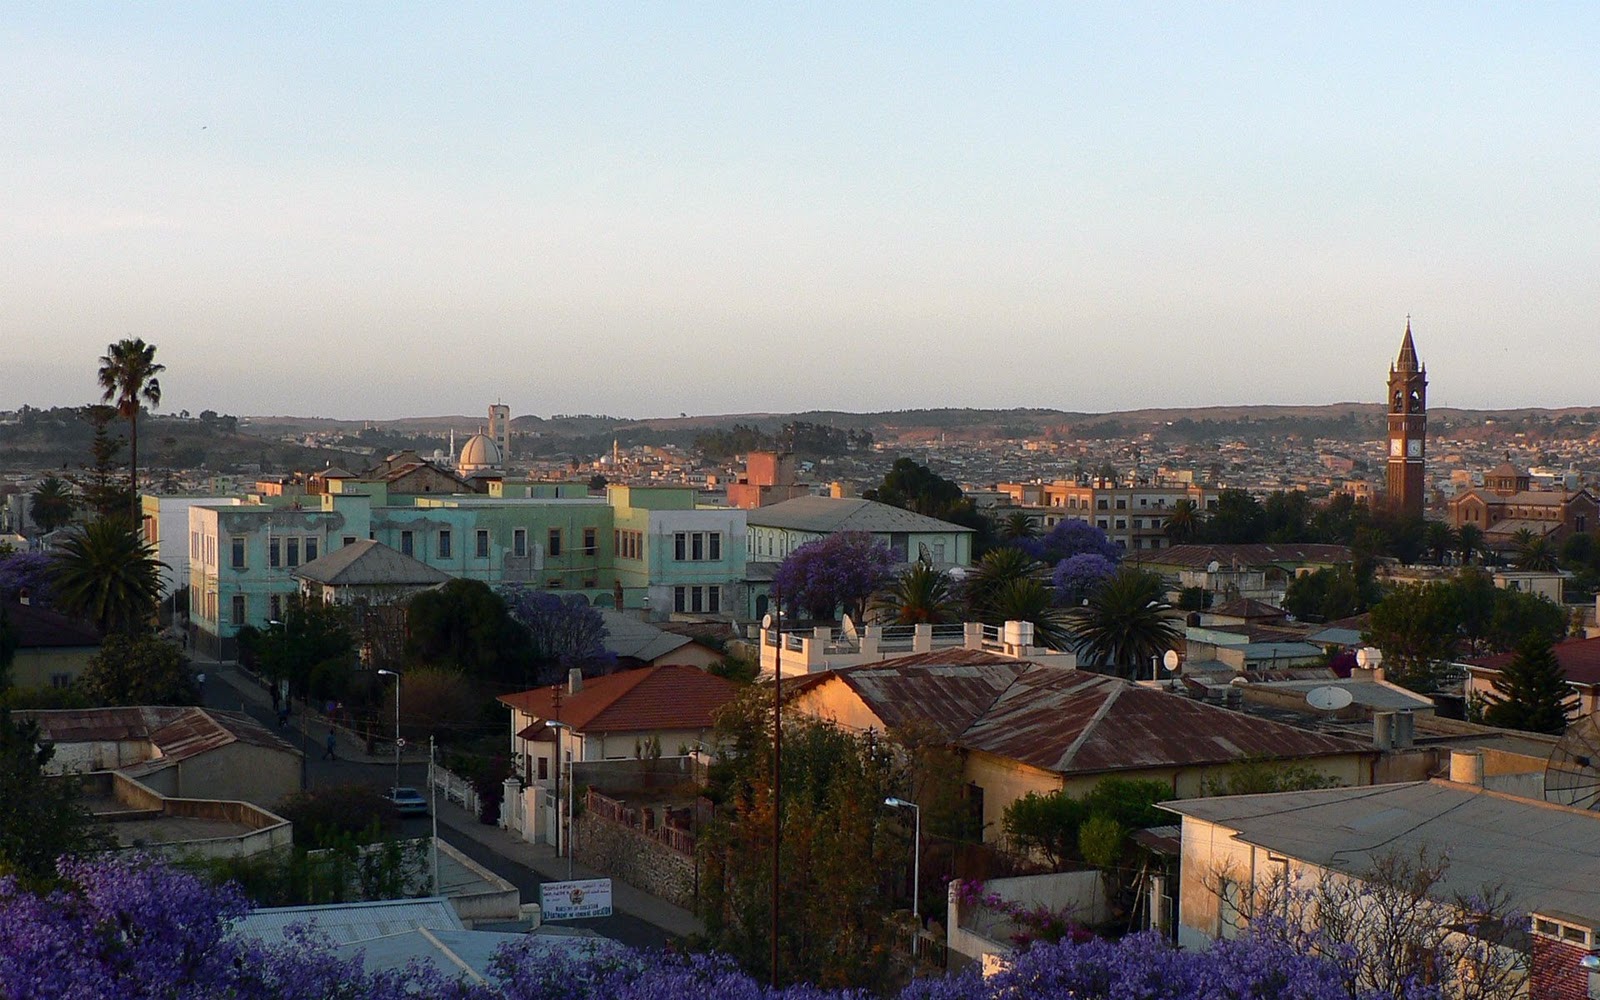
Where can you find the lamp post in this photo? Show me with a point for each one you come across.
(916, 867)
(565, 839)
(397, 744)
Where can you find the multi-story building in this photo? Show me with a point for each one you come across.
(647, 548)
(1132, 516)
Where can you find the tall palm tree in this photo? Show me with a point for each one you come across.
(996, 569)
(1469, 540)
(1017, 525)
(1125, 622)
(105, 572)
(128, 373)
(1183, 521)
(923, 594)
(1536, 554)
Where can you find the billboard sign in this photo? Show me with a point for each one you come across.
(577, 900)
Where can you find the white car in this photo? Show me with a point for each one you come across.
(408, 801)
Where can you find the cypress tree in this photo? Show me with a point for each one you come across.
(1531, 693)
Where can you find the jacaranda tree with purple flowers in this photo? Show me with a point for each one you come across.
(842, 570)
(1070, 538)
(1077, 576)
(26, 573)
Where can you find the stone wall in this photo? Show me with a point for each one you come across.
(623, 853)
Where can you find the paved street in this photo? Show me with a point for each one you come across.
(639, 920)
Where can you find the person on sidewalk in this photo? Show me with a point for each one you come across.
(333, 744)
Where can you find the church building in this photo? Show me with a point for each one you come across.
(1408, 430)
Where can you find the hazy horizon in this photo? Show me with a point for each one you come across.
(361, 212)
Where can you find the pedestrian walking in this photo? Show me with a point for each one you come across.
(283, 716)
(333, 743)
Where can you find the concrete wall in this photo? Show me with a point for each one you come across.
(497, 902)
(978, 932)
(35, 667)
(235, 771)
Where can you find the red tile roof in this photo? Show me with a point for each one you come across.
(669, 696)
(1579, 659)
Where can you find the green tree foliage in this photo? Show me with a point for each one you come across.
(106, 573)
(1237, 519)
(1183, 522)
(1030, 600)
(1017, 526)
(1531, 692)
(997, 569)
(923, 594)
(1051, 824)
(104, 491)
(323, 816)
(466, 626)
(1126, 623)
(1257, 776)
(51, 505)
(43, 817)
(913, 486)
(1442, 540)
(722, 445)
(310, 647)
(139, 670)
(1415, 626)
(838, 841)
(128, 380)
(1331, 593)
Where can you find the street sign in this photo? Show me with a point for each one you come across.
(575, 900)
(400, 743)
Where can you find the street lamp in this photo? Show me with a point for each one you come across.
(398, 744)
(916, 867)
(567, 839)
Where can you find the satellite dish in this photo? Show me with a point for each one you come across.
(1170, 661)
(849, 628)
(1213, 566)
(1572, 778)
(1329, 699)
(766, 622)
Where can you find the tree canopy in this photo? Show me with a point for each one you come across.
(466, 626)
(105, 572)
(1531, 692)
(842, 570)
(43, 816)
(139, 670)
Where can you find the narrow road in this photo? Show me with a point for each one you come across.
(230, 689)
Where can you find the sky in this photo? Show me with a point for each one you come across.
(373, 210)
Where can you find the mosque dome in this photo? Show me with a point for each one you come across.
(480, 452)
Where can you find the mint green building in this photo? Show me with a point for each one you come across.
(652, 549)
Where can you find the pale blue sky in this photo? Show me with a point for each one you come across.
(373, 210)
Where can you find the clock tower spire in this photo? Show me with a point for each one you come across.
(1408, 429)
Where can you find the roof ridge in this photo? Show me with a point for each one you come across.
(1088, 727)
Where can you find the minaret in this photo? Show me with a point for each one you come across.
(1408, 429)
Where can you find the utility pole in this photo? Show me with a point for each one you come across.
(433, 795)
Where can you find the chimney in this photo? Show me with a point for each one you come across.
(574, 680)
(1466, 767)
(1405, 729)
(1383, 730)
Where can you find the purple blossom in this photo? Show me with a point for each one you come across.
(26, 571)
(1076, 576)
(841, 570)
(1070, 538)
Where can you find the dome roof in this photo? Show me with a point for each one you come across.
(480, 452)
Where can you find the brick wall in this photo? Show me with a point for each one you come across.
(627, 854)
(1555, 973)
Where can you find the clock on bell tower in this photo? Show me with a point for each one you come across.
(1408, 429)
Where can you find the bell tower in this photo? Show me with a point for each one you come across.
(1408, 429)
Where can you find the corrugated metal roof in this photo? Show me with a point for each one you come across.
(348, 922)
(1546, 857)
(631, 638)
(826, 515)
(175, 732)
(1200, 556)
(948, 690)
(1074, 722)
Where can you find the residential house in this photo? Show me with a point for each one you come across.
(615, 717)
(637, 643)
(1022, 727)
(1579, 660)
(52, 649)
(1259, 572)
(1543, 857)
(178, 751)
(366, 572)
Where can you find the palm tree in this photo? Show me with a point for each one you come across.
(128, 373)
(997, 568)
(923, 594)
(1536, 553)
(1017, 526)
(51, 504)
(1125, 622)
(106, 573)
(1030, 600)
(1183, 521)
(1441, 540)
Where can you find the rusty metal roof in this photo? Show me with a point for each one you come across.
(949, 690)
(1075, 722)
(174, 732)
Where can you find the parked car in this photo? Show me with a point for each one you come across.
(408, 801)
